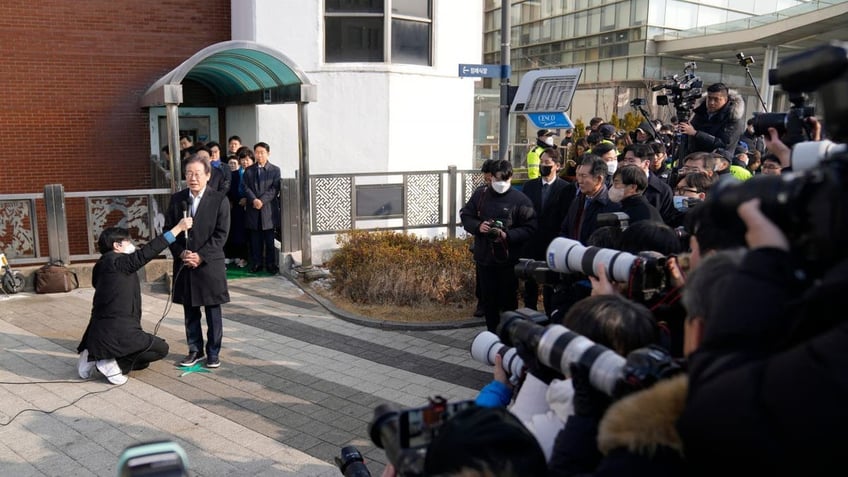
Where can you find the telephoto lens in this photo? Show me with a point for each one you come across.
(567, 256)
(351, 463)
(486, 346)
(557, 347)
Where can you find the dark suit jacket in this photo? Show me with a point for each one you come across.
(660, 195)
(638, 208)
(206, 284)
(549, 218)
(599, 205)
(267, 190)
(219, 180)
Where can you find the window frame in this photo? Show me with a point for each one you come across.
(388, 18)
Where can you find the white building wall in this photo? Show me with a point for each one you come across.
(371, 117)
(368, 117)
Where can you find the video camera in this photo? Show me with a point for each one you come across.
(405, 433)
(682, 91)
(809, 205)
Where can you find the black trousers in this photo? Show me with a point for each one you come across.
(531, 295)
(499, 291)
(157, 350)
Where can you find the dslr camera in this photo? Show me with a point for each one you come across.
(646, 274)
(405, 433)
(557, 347)
(494, 226)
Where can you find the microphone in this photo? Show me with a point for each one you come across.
(185, 214)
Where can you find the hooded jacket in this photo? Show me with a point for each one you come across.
(722, 130)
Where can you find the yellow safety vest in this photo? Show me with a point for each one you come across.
(534, 159)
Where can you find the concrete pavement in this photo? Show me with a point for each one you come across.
(296, 384)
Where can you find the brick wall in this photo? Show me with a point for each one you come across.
(71, 76)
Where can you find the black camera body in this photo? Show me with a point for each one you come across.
(494, 226)
(405, 433)
(792, 126)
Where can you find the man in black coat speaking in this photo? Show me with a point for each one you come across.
(200, 274)
(114, 342)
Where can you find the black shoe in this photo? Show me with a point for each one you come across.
(213, 363)
(273, 270)
(192, 358)
(479, 312)
(255, 269)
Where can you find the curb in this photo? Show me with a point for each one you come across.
(374, 323)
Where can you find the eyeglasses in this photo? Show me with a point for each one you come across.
(682, 190)
(190, 175)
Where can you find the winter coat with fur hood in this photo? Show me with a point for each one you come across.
(722, 130)
(637, 436)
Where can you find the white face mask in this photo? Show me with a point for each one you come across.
(129, 248)
(549, 140)
(612, 166)
(500, 186)
(615, 194)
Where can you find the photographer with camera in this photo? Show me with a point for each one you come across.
(544, 400)
(636, 434)
(502, 220)
(767, 387)
(718, 122)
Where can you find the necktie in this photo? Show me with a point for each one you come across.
(545, 190)
(194, 205)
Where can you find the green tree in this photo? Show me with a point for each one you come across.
(632, 121)
(579, 129)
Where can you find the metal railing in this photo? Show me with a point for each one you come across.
(339, 203)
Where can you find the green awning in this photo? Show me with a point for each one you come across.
(237, 72)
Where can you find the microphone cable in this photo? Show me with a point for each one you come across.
(168, 305)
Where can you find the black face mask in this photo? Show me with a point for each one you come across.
(545, 170)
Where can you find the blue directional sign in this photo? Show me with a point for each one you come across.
(554, 119)
(483, 71)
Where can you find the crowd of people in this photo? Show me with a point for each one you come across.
(720, 360)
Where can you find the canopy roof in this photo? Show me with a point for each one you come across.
(237, 72)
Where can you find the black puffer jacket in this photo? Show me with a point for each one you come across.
(722, 130)
(516, 213)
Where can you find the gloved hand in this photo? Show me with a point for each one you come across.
(588, 401)
(644, 367)
(534, 367)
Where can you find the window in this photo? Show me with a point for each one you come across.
(355, 31)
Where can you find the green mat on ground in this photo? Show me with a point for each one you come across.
(234, 272)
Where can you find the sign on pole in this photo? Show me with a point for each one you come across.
(552, 120)
(483, 71)
(545, 95)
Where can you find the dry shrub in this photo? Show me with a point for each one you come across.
(393, 268)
